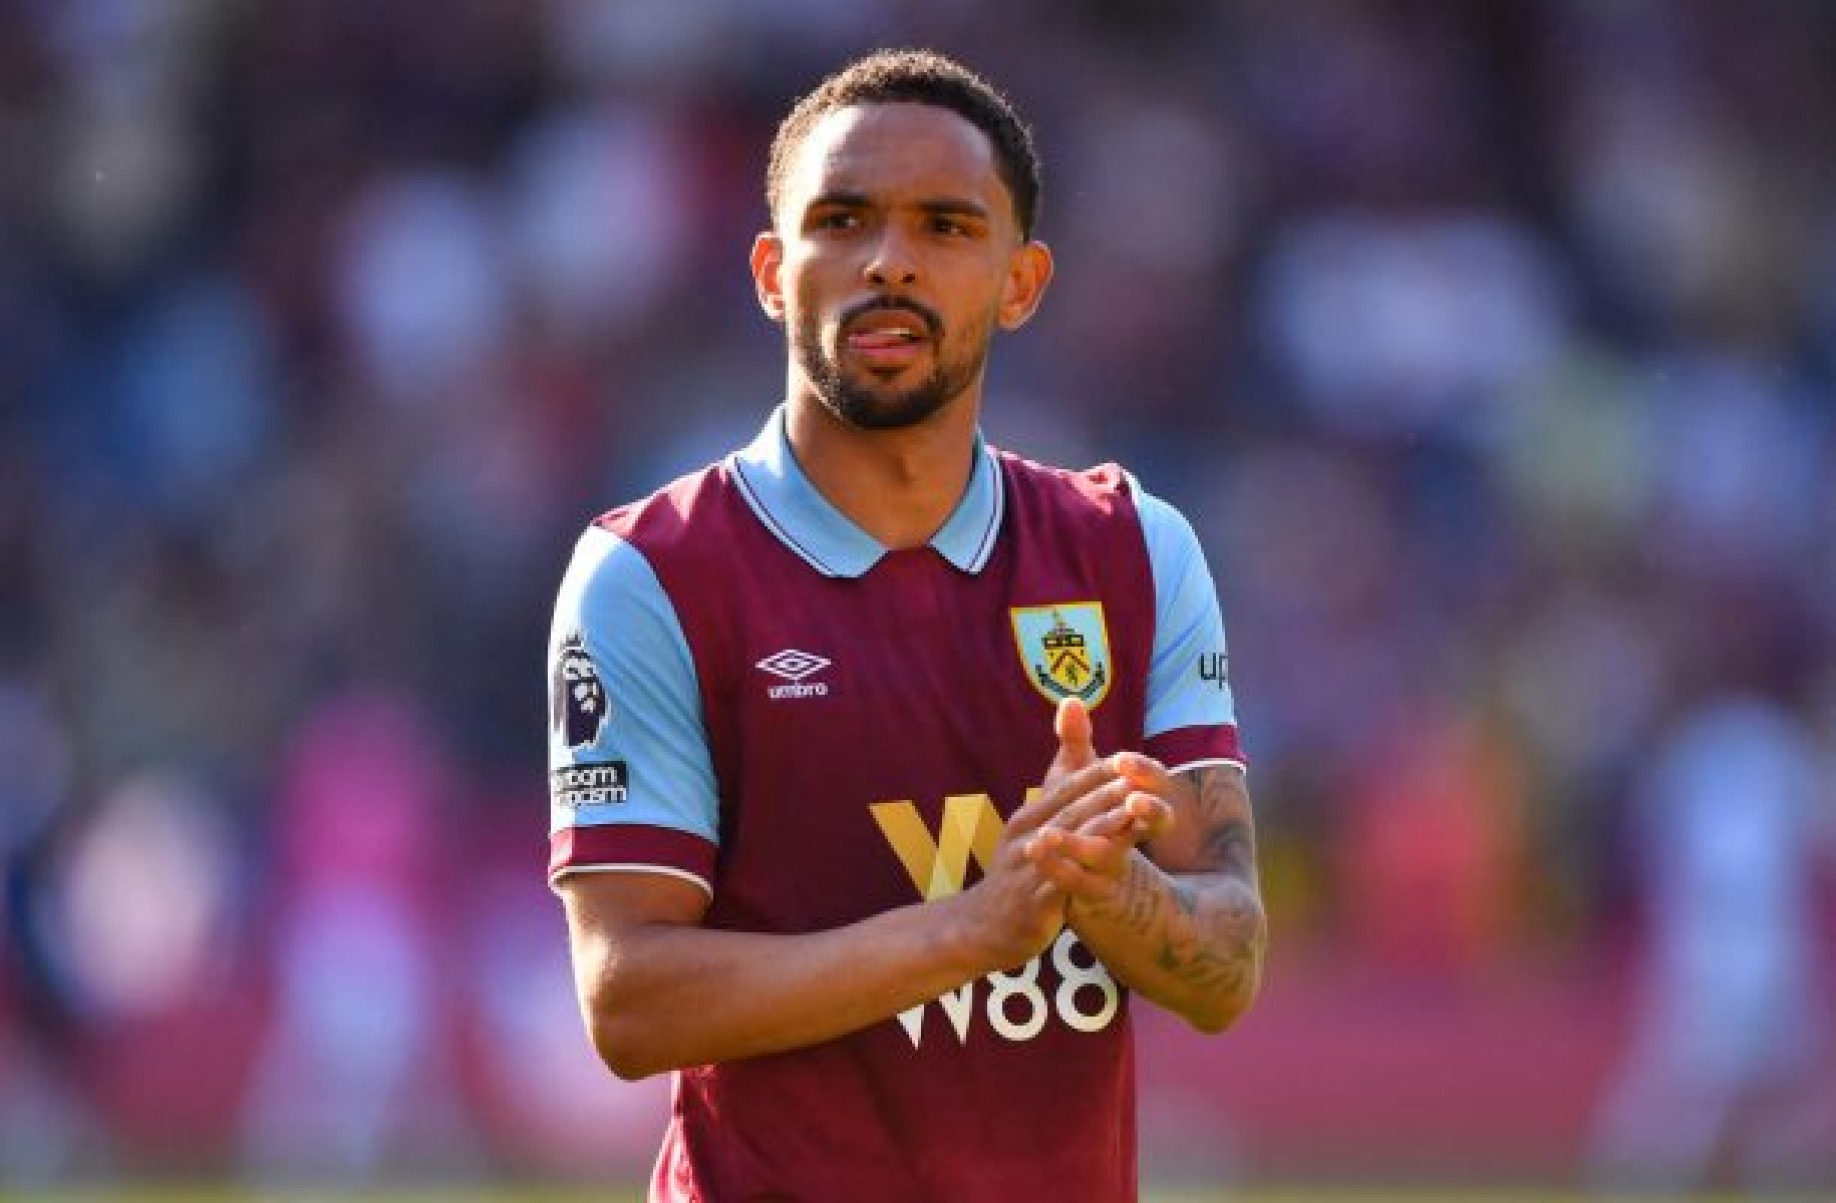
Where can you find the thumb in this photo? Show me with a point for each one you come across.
(1075, 746)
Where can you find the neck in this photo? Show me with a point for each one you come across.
(900, 486)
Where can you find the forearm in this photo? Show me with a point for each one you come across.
(660, 996)
(1193, 943)
(660, 990)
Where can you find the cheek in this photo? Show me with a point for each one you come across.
(802, 292)
(982, 316)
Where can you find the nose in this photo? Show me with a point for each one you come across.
(891, 262)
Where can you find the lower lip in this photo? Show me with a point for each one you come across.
(886, 354)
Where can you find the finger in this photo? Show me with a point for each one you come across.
(1108, 825)
(1109, 800)
(1073, 727)
(1069, 878)
(1103, 844)
(1056, 795)
(1139, 818)
(1091, 777)
(1103, 852)
(1148, 815)
(1107, 797)
(1104, 855)
(1048, 892)
(1046, 855)
(1093, 852)
(1127, 819)
(1076, 746)
(1147, 773)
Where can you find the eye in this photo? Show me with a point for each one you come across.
(953, 224)
(836, 219)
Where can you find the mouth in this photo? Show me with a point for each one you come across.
(886, 334)
(883, 339)
(885, 329)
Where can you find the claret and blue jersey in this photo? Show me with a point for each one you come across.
(749, 692)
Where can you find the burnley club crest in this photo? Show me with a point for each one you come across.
(1064, 649)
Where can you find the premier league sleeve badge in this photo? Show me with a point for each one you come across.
(578, 707)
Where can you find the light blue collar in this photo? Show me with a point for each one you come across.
(787, 503)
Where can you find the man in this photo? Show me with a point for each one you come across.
(828, 815)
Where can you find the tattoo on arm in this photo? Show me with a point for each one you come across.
(1206, 926)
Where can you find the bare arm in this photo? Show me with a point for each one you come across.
(1189, 931)
(1182, 925)
(659, 991)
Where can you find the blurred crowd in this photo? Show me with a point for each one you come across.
(1492, 349)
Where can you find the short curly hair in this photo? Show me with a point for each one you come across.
(917, 77)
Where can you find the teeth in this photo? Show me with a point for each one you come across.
(869, 330)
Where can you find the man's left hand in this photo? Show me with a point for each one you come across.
(1085, 848)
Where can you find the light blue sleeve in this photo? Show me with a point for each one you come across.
(626, 740)
(1188, 676)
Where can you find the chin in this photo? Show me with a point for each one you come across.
(868, 408)
(895, 413)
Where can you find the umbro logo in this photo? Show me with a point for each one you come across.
(793, 666)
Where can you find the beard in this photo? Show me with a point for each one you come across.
(868, 404)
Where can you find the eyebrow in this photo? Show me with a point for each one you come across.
(840, 200)
(955, 208)
(948, 206)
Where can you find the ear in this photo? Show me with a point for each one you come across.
(1029, 270)
(767, 263)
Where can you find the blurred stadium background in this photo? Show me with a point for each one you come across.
(1492, 348)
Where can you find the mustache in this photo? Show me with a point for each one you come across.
(933, 321)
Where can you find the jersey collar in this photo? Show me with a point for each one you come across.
(774, 485)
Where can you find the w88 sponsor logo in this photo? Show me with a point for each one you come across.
(1016, 1005)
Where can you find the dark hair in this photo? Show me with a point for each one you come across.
(917, 77)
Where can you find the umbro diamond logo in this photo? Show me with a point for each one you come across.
(794, 666)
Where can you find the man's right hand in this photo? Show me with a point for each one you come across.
(1014, 908)
(1086, 845)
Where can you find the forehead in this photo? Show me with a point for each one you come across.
(897, 150)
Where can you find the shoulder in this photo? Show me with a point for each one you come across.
(619, 557)
(1169, 532)
(1103, 490)
(610, 594)
(685, 509)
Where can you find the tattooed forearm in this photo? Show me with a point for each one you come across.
(1189, 933)
(1222, 813)
(1216, 942)
(1230, 847)
(1136, 905)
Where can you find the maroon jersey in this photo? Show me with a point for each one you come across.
(865, 721)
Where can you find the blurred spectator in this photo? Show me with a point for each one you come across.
(354, 1077)
(1431, 849)
(43, 1128)
(545, 1109)
(147, 934)
(1731, 1079)
(1411, 326)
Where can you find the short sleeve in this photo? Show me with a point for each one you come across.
(1191, 712)
(631, 783)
